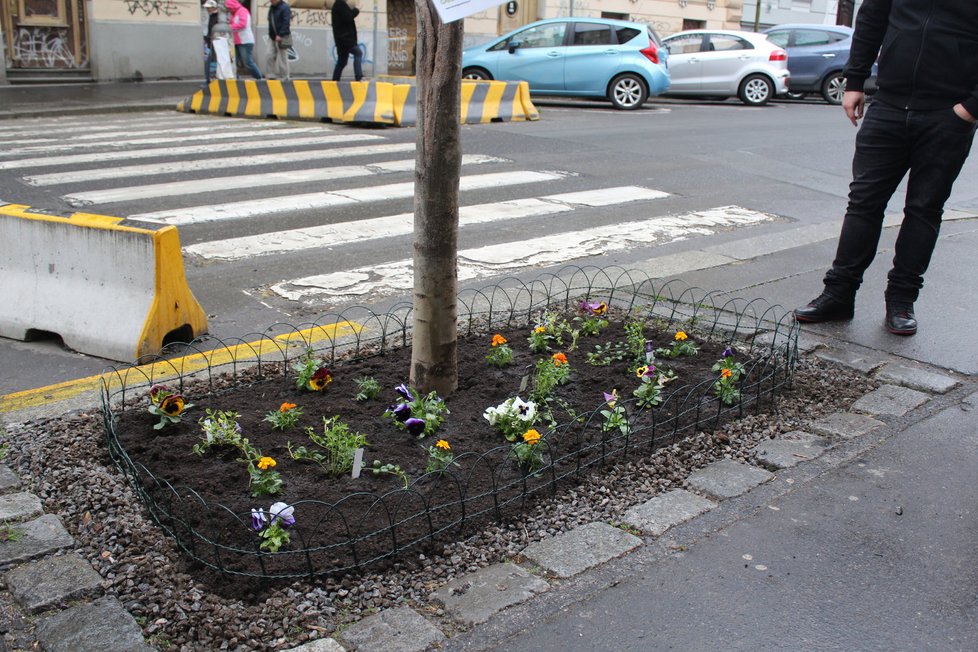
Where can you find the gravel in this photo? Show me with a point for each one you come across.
(64, 462)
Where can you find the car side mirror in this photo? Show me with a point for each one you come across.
(513, 45)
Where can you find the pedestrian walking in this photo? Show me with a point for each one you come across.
(921, 121)
(210, 61)
(244, 36)
(280, 38)
(343, 18)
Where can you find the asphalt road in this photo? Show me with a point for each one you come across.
(788, 162)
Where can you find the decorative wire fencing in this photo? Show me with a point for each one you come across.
(364, 530)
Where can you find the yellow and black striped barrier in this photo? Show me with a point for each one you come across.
(373, 102)
(109, 286)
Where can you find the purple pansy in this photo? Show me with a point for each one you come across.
(402, 412)
(727, 352)
(258, 520)
(404, 391)
(415, 426)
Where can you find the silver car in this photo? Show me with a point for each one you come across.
(718, 63)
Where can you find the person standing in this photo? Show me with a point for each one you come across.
(921, 121)
(343, 18)
(244, 36)
(280, 38)
(210, 61)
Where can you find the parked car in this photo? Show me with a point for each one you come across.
(817, 55)
(721, 63)
(584, 57)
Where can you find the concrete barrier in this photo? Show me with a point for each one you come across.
(110, 287)
(385, 102)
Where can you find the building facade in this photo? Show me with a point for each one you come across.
(110, 40)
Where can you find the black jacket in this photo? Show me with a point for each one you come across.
(928, 52)
(344, 28)
(279, 19)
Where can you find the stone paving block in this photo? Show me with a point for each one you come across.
(473, 598)
(917, 378)
(100, 626)
(667, 510)
(726, 479)
(789, 449)
(805, 344)
(392, 630)
(844, 425)
(51, 581)
(319, 645)
(890, 400)
(972, 400)
(20, 505)
(37, 538)
(861, 362)
(570, 553)
(8, 479)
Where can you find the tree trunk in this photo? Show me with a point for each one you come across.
(434, 359)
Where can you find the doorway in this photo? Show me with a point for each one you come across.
(44, 36)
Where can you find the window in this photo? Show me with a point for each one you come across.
(812, 37)
(684, 44)
(591, 34)
(626, 34)
(541, 36)
(779, 38)
(725, 43)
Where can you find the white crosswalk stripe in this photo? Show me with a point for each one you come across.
(212, 176)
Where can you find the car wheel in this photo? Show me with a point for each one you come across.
(755, 90)
(833, 88)
(627, 92)
(476, 73)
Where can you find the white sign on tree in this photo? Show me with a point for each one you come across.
(452, 10)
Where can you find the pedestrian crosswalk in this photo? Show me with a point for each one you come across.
(273, 193)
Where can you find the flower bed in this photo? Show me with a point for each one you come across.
(466, 472)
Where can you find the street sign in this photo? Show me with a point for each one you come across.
(451, 10)
(511, 8)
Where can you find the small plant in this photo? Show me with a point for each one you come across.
(651, 383)
(730, 373)
(4, 449)
(528, 453)
(681, 345)
(264, 480)
(311, 374)
(285, 417)
(338, 445)
(220, 429)
(548, 374)
(615, 417)
(605, 354)
(272, 529)
(167, 405)
(512, 417)
(592, 322)
(367, 388)
(636, 343)
(500, 355)
(379, 468)
(440, 456)
(419, 415)
(8, 533)
(549, 332)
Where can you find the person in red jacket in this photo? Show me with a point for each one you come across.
(922, 122)
(343, 18)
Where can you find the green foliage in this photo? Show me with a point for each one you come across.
(547, 375)
(379, 468)
(311, 374)
(730, 372)
(615, 417)
(287, 416)
(549, 332)
(367, 388)
(529, 452)
(500, 355)
(337, 447)
(681, 345)
(430, 409)
(273, 537)
(440, 457)
(220, 428)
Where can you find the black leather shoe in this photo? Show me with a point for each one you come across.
(825, 308)
(900, 319)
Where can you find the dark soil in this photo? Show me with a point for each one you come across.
(342, 521)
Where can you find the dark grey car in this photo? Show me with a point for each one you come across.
(817, 55)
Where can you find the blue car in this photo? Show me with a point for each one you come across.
(817, 55)
(582, 57)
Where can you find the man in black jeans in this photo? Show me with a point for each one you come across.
(922, 120)
(343, 18)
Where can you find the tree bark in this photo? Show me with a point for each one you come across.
(434, 358)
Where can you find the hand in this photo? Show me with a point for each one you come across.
(962, 113)
(277, 38)
(854, 102)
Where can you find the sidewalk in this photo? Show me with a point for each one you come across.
(870, 546)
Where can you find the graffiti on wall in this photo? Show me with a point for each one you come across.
(152, 7)
(45, 47)
(397, 47)
(310, 18)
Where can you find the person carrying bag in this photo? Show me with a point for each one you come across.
(280, 38)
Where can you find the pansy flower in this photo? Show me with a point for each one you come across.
(282, 512)
(498, 340)
(404, 391)
(285, 407)
(559, 358)
(415, 426)
(258, 519)
(265, 463)
(611, 398)
(442, 444)
(681, 335)
(320, 379)
(540, 330)
(402, 411)
(158, 392)
(727, 353)
(172, 405)
(596, 308)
